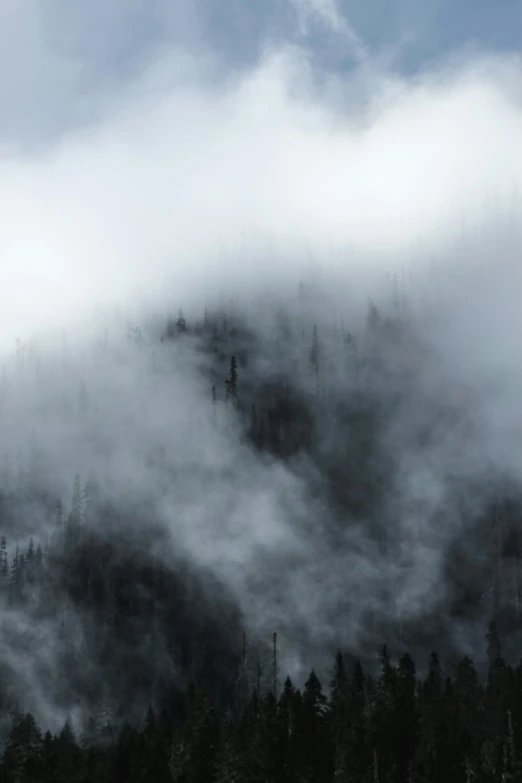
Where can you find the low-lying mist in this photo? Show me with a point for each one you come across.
(340, 471)
(260, 374)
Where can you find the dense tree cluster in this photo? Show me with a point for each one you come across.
(391, 728)
(120, 626)
(354, 391)
(129, 628)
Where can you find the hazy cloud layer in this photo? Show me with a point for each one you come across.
(172, 177)
(186, 171)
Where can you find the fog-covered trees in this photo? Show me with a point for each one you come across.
(400, 727)
(129, 622)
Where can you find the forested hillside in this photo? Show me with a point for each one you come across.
(195, 510)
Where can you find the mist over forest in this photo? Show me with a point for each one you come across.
(342, 472)
(260, 395)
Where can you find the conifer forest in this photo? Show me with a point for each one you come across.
(260, 391)
(259, 567)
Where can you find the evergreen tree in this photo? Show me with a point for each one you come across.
(16, 579)
(22, 751)
(429, 762)
(91, 499)
(339, 712)
(231, 382)
(275, 667)
(181, 324)
(77, 508)
(58, 517)
(314, 740)
(129, 757)
(287, 727)
(358, 749)
(405, 718)
(67, 753)
(373, 326)
(4, 561)
(105, 723)
(193, 752)
(469, 705)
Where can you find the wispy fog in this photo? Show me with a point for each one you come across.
(203, 176)
(191, 184)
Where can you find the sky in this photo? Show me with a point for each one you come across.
(142, 141)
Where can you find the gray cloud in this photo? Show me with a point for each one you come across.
(183, 165)
(190, 182)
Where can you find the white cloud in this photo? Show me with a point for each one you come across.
(183, 165)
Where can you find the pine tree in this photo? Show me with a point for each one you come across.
(287, 729)
(428, 761)
(48, 757)
(244, 684)
(30, 563)
(181, 324)
(511, 765)
(106, 716)
(382, 726)
(231, 382)
(16, 577)
(339, 682)
(4, 561)
(316, 747)
(128, 760)
(272, 741)
(468, 699)
(90, 733)
(373, 326)
(67, 753)
(22, 751)
(358, 750)
(91, 499)
(339, 706)
(405, 717)
(193, 752)
(275, 670)
(76, 516)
